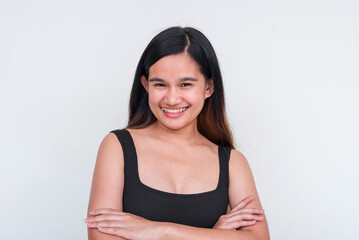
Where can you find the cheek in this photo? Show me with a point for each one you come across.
(197, 96)
(154, 97)
(196, 99)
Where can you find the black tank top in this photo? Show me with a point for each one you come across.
(198, 210)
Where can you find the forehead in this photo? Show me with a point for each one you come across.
(175, 66)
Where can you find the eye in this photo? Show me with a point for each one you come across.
(159, 85)
(185, 84)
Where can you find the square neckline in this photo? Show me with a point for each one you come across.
(151, 189)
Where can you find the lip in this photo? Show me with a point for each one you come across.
(174, 115)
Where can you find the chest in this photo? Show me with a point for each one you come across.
(199, 209)
(177, 170)
(186, 189)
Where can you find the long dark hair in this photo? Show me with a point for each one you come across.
(212, 121)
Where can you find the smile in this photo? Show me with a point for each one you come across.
(176, 110)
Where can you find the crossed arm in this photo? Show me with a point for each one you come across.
(110, 223)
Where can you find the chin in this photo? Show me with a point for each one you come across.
(174, 126)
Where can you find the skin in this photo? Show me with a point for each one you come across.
(174, 82)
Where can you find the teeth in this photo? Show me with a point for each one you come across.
(174, 110)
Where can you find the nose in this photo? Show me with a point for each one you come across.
(173, 97)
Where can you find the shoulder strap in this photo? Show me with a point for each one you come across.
(129, 152)
(224, 155)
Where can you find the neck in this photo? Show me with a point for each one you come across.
(185, 135)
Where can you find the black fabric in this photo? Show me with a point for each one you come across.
(198, 210)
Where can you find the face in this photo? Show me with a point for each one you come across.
(176, 91)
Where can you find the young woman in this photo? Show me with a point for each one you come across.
(173, 171)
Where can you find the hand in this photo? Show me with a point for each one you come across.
(125, 225)
(240, 216)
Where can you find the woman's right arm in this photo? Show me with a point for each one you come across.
(107, 182)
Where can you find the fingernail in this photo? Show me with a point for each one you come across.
(91, 213)
(85, 220)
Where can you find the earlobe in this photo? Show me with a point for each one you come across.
(144, 82)
(209, 88)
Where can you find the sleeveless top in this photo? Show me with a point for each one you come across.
(198, 209)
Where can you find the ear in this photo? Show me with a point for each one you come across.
(144, 82)
(209, 88)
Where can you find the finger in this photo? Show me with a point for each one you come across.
(91, 224)
(245, 217)
(239, 224)
(105, 211)
(113, 224)
(104, 217)
(120, 232)
(246, 210)
(243, 203)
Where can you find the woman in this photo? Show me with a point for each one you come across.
(173, 171)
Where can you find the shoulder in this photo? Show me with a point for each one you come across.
(109, 155)
(237, 160)
(239, 169)
(110, 144)
(108, 176)
(238, 166)
(241, 181)
(111, 138)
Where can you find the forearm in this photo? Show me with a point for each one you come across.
(95, 234)
(174, 231)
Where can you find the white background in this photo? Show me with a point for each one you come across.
(291, 80)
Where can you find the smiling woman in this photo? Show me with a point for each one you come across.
(171, 173)
(177, 90)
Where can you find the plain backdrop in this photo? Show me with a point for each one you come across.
(291, 79)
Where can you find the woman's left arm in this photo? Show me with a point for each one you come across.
(241, 185)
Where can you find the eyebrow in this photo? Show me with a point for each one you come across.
(179, 80)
